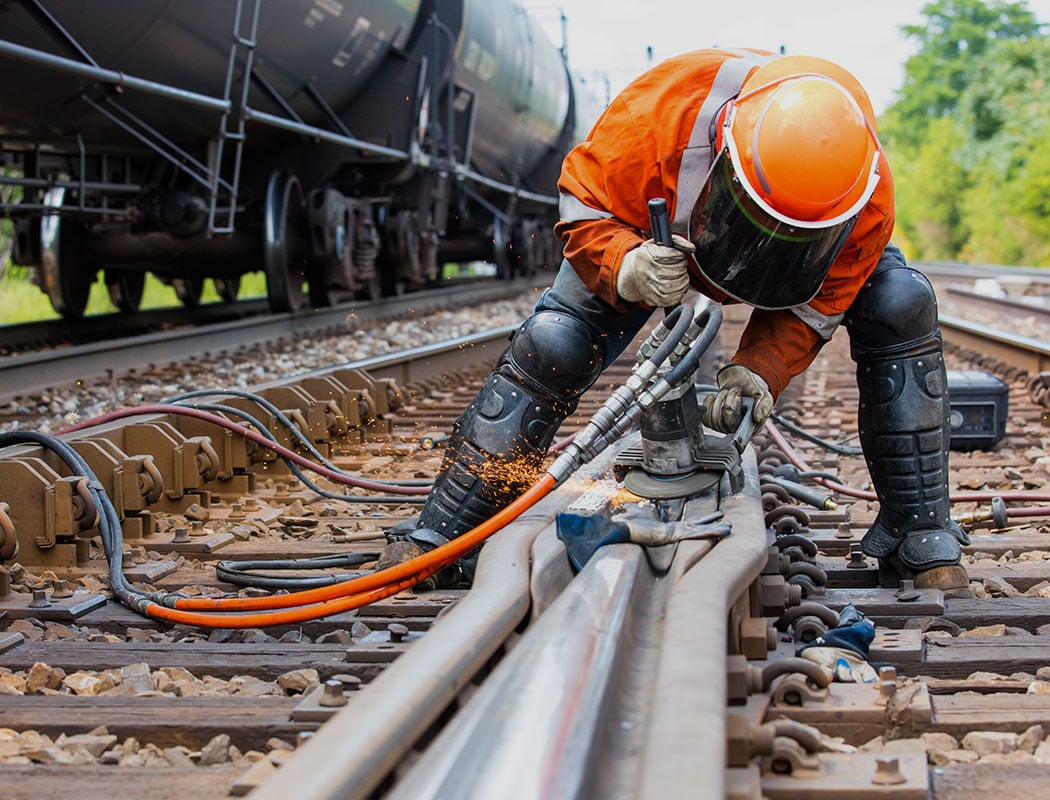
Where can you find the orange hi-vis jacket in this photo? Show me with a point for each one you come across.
(655, 140)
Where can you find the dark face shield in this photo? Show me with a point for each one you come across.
(755, 255)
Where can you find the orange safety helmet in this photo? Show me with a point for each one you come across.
(797, 160)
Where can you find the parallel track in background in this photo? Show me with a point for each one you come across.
(111, 358)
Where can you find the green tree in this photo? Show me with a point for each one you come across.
(967, 135)
(928, 186)
(952, 41)
(1006, 115)
(1006, 100)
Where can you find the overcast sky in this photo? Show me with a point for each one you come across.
(608, 41)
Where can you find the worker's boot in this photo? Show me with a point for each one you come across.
(499, 442)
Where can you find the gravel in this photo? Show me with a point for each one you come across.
(260, 364)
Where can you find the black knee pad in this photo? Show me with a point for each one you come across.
(499, 441)
(552, 360)
(555, 355)
(894, 313)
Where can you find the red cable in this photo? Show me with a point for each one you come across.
(957, 497)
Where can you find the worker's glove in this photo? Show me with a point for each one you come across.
(724, 410)
(654, 274)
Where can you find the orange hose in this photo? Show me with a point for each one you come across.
(288, 616)
(349, 594)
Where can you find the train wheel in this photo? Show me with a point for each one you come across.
(125, 288)
(188, 290)
(65, 273)
(228, 288)
(283, 243)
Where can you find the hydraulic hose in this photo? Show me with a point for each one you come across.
(641, 391)
(365, 589)
(240, 612)
(280, 416)
(668, 335)
(297, 470)
(239, 572)
(296, 606)
(325, 601)
(834, 447)
(707, 321)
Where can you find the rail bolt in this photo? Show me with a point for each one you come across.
(887, 772)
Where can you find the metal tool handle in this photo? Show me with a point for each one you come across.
(660, 221)
(746, 429)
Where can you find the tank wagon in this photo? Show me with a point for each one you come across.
(344, 147)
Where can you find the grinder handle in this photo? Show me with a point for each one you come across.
(746, 429)
(660, 221)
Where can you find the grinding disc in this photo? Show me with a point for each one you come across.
(658, 487)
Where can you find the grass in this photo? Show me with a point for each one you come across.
(22, 301)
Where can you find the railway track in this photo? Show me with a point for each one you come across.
(612, 682)
(177, 336)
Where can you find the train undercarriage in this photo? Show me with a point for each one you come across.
(315, 247)
(252, 148)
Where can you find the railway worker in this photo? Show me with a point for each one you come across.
(781, 198)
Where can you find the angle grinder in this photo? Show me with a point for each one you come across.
(677, 457)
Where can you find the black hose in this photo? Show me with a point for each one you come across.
(841, 449)
(238, 572)
(709, 320)
(109, 520)
(676, 322)
(280, 417)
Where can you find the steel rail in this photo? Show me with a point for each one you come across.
(958, 269)
(685, 753)
(1031, 355)
(534, 727)
(32, 336)
(564, 715)
(22, 375)
(603, 695)
(1034, 306)
(359, 746)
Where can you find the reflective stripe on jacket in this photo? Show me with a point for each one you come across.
(654, 140)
